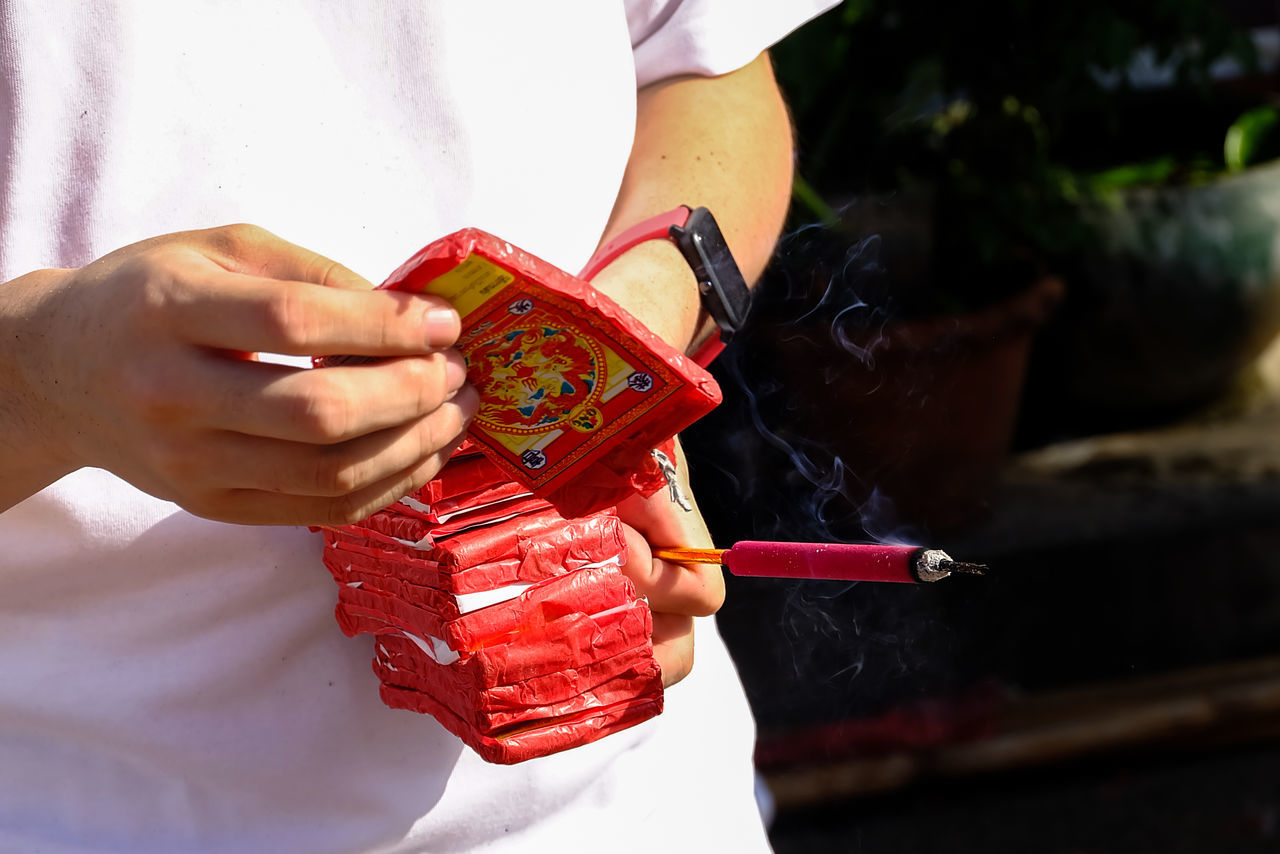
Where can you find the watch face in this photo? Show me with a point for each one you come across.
(724, 292)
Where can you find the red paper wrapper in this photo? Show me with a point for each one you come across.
(566, 692)
(587, 591)
(567, 642)
(574, 391)
(567, 661)
(528, 549)
(444, 509)
(465, 473)
(545, 533)
(348, 553)
(463, 548)
(534, 739)
(444, 605)
(540, 536)
(392, 522)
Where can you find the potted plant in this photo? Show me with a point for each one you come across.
(1177, 290)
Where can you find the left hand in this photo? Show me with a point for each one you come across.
(676, 593)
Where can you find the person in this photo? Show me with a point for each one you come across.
(171, 677)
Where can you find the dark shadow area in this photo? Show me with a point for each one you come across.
(1227, 801)
(1025, 311)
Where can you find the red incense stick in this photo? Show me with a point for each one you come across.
(831, 561)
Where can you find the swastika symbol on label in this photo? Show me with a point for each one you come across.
(521, 306)
(640, 381)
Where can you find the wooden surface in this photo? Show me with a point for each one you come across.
(1196, 707)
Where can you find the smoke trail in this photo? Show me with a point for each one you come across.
(787, 484)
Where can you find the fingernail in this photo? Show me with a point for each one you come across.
(442, 326)
(468, 402)
(455, 370)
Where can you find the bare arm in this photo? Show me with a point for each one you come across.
(723, 143)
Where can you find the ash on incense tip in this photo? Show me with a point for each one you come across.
(963, 568)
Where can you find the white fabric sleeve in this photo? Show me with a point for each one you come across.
(709, 37)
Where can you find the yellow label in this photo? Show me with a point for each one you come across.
(470, 283)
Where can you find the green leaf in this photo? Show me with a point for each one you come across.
(1250, 136)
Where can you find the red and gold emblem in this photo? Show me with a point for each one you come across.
(533, 378)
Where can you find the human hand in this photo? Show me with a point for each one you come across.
(142, 363)
(676, 593)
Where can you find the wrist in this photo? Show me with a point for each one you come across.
(720, 288)
(31, 458)
(652, 281)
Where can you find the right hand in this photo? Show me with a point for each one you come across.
(676, 593)
(142, 363)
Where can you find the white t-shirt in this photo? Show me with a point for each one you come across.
(171, 684)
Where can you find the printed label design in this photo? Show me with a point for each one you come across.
(531, 379)
(557, 383)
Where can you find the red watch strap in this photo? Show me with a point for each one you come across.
(651, 229)
(712, 347)
(654, 228)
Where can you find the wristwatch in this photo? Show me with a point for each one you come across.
(724, 293)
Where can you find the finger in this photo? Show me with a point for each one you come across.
(350, 467)
(320, 405)
(235, 311)
(661, 520)
(232, 460)
(673, 646)
(259, 507)
(696, 590)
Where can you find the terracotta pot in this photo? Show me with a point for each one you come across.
(922, 412)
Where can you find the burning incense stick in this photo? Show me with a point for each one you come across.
(831, 561)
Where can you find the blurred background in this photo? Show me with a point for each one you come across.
(1026, 309)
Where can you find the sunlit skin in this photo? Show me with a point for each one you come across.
(723, 143)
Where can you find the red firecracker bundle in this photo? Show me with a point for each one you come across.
(495, 591)
(517, 632)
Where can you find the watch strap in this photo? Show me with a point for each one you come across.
(723, 293)
(654, 228)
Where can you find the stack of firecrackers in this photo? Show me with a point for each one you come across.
(495, 593)
(511, 625)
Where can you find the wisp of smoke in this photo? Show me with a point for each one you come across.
(831, 633)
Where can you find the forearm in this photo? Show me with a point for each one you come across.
(720, 142)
